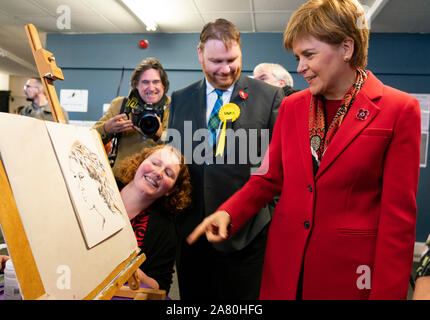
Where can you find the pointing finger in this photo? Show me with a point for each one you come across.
(197, 233)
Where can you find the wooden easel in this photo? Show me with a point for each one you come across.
(32, 286)
(48, 71)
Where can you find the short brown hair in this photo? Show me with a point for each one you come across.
(150, 63)
(38, 82)
(220, 29)
(331, 21)
(180, 196)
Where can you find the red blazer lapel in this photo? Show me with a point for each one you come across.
(353, 123)
(302, 127)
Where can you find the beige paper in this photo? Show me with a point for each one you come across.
(87, 178)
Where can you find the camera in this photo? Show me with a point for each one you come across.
(143, 115)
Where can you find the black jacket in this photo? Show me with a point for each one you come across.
(215, 183)
(288, 90)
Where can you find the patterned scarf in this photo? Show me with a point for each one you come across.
(320, 136)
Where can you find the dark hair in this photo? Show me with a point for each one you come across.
(150, 63)
(220, 29)
(180, 196)
(331, 21)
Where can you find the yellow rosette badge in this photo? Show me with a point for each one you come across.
(229, 111)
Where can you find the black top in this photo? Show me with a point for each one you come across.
(158, 244)
(288, 90)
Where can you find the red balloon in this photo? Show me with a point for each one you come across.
(143, 44)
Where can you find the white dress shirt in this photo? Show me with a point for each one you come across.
(212, 96)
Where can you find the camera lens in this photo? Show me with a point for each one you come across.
(149, 124)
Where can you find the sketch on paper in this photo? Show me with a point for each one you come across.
(89, 180)
(90, 177)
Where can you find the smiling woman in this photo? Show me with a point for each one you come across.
(155, 185)
(344, 155)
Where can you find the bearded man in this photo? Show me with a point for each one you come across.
(231, 269)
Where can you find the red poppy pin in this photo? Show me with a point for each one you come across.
(362, 114)
(243, 94)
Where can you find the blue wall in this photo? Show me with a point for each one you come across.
(94, 62)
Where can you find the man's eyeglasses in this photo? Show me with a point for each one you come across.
(26, 86)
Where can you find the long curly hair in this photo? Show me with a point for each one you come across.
(180, 196)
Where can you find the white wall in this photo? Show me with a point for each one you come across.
(16, 86)
(4, 81)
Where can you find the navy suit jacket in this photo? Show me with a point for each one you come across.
(215, 179)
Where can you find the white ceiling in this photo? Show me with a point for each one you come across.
(172, 16)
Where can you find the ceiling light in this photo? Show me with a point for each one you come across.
(144, 11)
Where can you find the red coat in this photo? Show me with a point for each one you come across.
(353, 224)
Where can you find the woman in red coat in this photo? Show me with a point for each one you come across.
(345, 156)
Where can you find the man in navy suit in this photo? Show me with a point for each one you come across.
(231, 269)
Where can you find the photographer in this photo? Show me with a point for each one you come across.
(139, 119)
